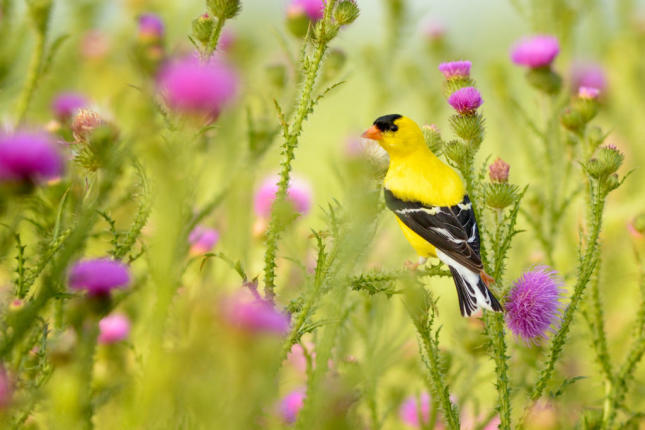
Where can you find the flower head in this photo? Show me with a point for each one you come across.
(299, 194)
(588, 74)
(535, 51)
(202, 239)
(466, 100)
(66, 104)
(410, 410)
(191, 86)
(533, 304)
(291, 405)
(29, 157)
(588, 93)
(113, 328)
(498, 171)
(252, 314)
(151, 27)
(455, 69)
(99, 276)
(313, 9)
(84, 123)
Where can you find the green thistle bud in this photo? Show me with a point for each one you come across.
(612, 182)
(456, 151)
(610, 159)
(594, 168)
(203, 27)
(325, 33)
(500, 195)
(572, 120)
(39, 10)
(587, 108)
(277, 75)
(433, 138)
(346, 12)
(639, 223)
(224, 9)
(544, 79)
(469, 127)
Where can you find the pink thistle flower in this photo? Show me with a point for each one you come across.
(291, 405)
(298, 193)
(84, 123)
(588, 74)
(151, 27)
(536, 51)
(313, 9)
(29, 157)
(113, 328)
(66, 104)
(455, 69)
(588, 93)
(191, 86)
(466, 100)
(498, 171)
(202, 239)
(98, 276)
(252, 314)
(5, 388)
(533, 304)
(94, 45)
(410, 410)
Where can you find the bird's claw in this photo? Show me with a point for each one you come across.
(486, 278)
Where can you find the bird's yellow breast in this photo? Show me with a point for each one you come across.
(420, 245)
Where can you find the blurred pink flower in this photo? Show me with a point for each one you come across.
(151, 27)
(410, 411)
(252, 314)
(202, 239)
(27, 156)
(536, 51)
(94, 45)
(291, 405)
(299, 194)
(498, 171)
(5, 388)
(226, 40)
(588, 74)
(191, 86)
(588, 93)
(466, 100)
(98, 276)
(434, 30)
(113, 328)
(455, 69)
(66, 104)
(312, 8)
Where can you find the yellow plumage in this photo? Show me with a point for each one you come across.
(416, 174)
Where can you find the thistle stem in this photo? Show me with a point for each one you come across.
(33, 73)
(214, 38)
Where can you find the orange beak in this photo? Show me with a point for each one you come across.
(373, 133)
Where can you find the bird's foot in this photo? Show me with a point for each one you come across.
(486, 278)
(414, 266)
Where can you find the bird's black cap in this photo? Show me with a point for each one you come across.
(386, 122)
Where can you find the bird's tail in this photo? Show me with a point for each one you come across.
(473, 293)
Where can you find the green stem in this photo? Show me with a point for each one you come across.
(288, 150)
(214, 38)
(33, 73)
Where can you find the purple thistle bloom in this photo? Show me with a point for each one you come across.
(252, 314)
(298, 193)
(588, 93)
(466, 100)
(314, 9)
(455, 69)
(113, 328)
(533, 304)
(66, 104)
(588, 74)
(534, 52)
(151, 27)
(98, 276)
(202, 239)
(291, 405)
(29, 156)
(410, 410)
(195, 87)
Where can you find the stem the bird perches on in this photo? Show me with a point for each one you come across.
(291, 134)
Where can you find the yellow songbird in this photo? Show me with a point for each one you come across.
(431, 205)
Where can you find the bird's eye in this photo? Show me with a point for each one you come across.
(394, 127)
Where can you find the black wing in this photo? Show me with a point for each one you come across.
(451, 229)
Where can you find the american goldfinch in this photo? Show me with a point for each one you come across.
(432, 208)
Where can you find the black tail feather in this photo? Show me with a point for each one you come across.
(467, 296)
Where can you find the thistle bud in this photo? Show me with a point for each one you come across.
(500, 195)
(277, 75)
(84, 123)
(594, 168)
(544, 79)
(610, 158)
(456, 151)
(433, 138)
(586, 103)
(612, 182)
(498, 171)
(346, 12)
(203, 27)
(468, 127)
(224, 9)
(638, 223)
(572, 120)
